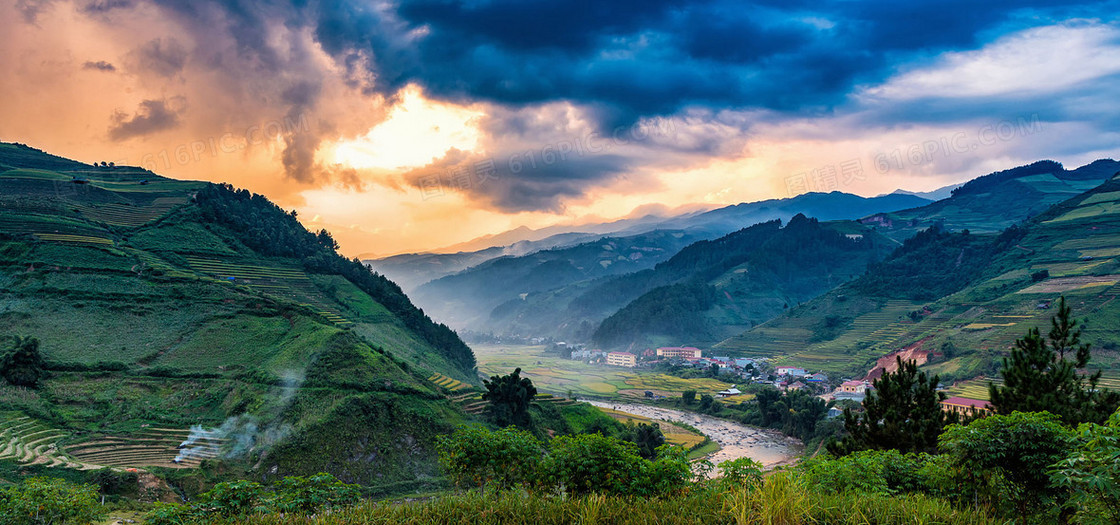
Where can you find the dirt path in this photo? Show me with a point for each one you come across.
(766, 446)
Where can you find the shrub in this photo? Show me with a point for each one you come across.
(669, 473)
(1092, 473)
(234, 498)
(1005, 460)
(22, 364)
(43, 500)
(475, 456)
(741, 472)
(590, 463)
(870, 472)
(300, 494)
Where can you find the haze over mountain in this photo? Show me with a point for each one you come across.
(413, 270)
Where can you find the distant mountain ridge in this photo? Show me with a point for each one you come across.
(958, 299)
(413, 270)
(540, 293)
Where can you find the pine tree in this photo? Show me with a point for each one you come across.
(903, 412)
(509, 398)
(1037, 376)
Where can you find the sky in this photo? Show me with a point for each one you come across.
(411, 125)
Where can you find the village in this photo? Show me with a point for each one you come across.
(758, 371)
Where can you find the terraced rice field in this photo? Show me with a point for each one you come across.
(289, 283)
(129, 215)
(972, 389)
(80, 239)
(472, 402)
(36, 224)
(29, 442)
(673, 434)
(874, 331)
(449, 383)
(155, 447)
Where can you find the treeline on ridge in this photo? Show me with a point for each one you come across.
(269, 230)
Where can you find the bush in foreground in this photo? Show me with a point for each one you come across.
(42, 501)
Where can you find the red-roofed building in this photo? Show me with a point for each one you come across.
(967, 407)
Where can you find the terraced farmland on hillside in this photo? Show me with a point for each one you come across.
(289, 283)
(449, 383)
(155, 447)
(30, 442)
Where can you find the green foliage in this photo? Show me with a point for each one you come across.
(903, 412)
(648, 438)
(110, 481)
(1005, 459)
(269, 230)
(476, 457)
(928, 266)
(233, 498)
(593, 463)
(795, 413)
(509, 398)
(1091, 472)
(780, 500)
(688, 396)
(234, 501)
(1037, 376)
(741, 472)
(590, 463)
(22, 364)
(320, 491)
(48, 501)
(869, 472)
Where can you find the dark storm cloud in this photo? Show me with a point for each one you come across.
(152, 116)
(617, 61)
(162, 56)
(99, 65)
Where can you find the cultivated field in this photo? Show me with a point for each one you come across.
(560, 376)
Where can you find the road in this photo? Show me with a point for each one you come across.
(766, 446)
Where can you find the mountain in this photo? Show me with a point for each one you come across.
(993, 202)
(163, 305)
(956, 301)
(523, 295)
(943, 192)
(713, 289)
(413, 270)
(466, 300)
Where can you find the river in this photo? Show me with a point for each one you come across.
(766, 446)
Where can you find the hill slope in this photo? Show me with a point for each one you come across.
(993, 202)
(713, 289)
(960, 300)
(165, 303)
(545, 293)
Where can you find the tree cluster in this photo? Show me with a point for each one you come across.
(269, 230)
(1042, 375)
(22, 364)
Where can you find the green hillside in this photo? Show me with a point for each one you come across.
(168, 304)
(714, 289)
(994, 202)
(965, 298)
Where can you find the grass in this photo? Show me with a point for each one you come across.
(781, 500)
